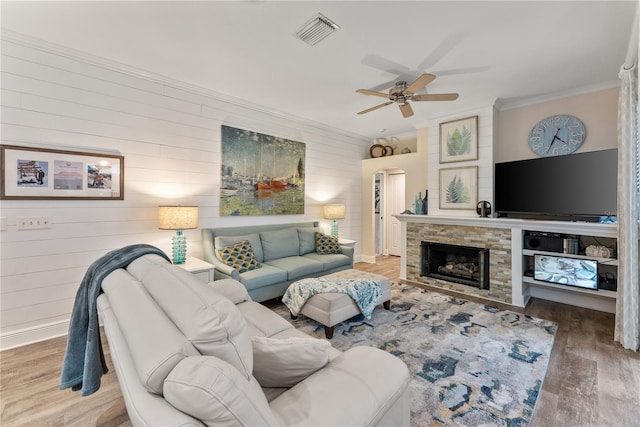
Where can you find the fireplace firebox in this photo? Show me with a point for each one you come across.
(458, 264)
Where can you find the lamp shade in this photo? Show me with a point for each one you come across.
(334, 211)
(177, 217)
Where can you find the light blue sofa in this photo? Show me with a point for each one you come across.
(287, 253)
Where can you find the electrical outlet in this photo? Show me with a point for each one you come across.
(3, 224)
(34, 222)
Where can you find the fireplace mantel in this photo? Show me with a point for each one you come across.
(566, 227)
(509, 233)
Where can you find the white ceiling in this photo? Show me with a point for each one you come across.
(507, 50)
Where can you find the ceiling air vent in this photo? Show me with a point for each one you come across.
(316, 29)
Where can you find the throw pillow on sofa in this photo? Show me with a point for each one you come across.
(239, 256)
(253, 238)
(326, 244)
(287, 361)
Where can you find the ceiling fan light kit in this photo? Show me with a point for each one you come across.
(401, 94)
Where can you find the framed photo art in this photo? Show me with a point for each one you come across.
(459, 188)
(42, 173)
(459, 140)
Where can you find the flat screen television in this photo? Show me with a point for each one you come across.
(579, 186)
(582, 273)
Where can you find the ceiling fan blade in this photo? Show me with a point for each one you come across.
(419, 83)
(372, 92)
(406, 110)
(443, 48)
(435, 97)
(385, 65)
(375, 108)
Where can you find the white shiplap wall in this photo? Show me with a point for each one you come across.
(169, 133)
(486, 131)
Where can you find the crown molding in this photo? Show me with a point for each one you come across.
(435, 121)
(90, 59)
(504, 104)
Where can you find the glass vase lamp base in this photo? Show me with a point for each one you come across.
(179, 246)
(334, 228)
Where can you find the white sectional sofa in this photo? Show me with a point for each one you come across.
(191, 354)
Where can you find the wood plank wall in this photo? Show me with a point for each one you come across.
(169, 133)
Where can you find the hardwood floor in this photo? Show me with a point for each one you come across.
(30, 396)
(590, 381)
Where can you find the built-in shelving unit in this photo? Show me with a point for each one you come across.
(599, 299)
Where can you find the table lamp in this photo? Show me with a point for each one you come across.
(334, 212)
(178, 218)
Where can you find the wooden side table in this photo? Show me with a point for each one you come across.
(199, 268)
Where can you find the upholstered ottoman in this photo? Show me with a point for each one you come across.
(330, 309)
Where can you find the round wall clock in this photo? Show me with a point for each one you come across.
(557, 135)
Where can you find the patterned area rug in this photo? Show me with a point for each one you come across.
(472, 364)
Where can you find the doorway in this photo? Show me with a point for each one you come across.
(389, 200)
(395, 205)
(377, 206)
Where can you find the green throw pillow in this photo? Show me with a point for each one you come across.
(326, 244)
(239, 256)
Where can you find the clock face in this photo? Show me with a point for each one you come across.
(557, 135)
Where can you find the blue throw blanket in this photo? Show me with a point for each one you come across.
(365, 292)
(84, 362)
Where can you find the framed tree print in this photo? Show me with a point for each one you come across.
(459, 140)
(459, 188)
(43, 173)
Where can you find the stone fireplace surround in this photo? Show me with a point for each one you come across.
(504, 238)
(498, 241)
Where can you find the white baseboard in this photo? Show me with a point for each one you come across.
(32, 335)
(368, 259)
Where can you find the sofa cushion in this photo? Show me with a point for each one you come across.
(367, 383)
(330, 261)
(261, 321)
(210, 321)
(265, 275)
(326, 244)
(154, 354)
(213, 391)
(239, 256)
(279, 243)
(231, 289)
(286, 362)
(297, 266)
(307, 237)
(253, 238)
